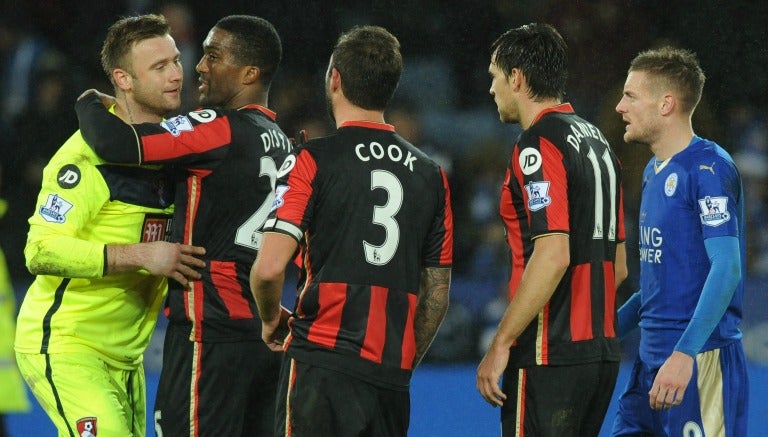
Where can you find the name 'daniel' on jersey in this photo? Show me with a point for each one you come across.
(580, 131)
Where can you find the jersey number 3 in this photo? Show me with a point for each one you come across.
(384, 216)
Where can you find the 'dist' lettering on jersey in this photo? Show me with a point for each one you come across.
(273, 139)
(650, 245)
(377, 151)
(584, 130)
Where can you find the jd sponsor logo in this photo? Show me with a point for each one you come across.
(69, 176)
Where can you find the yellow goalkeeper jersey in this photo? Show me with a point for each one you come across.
(83, 205)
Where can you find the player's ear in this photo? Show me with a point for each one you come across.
(668, 104)
(122, 79)
(251, 74)
(335, 79)
(516, 79)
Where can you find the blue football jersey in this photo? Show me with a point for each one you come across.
(694, 195)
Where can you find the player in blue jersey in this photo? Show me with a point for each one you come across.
(690, 376)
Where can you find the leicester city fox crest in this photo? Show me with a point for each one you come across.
(714, 210)
(670, 185)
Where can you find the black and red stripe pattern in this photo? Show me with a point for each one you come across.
(223, 163)
(564, 178)
(370, 211)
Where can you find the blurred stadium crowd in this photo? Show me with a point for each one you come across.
(49, 54)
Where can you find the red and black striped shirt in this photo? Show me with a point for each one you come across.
(370, 211)
(225, 165)
(564, 178)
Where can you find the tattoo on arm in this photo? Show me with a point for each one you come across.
(431, 307)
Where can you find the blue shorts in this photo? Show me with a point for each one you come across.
(715, 401)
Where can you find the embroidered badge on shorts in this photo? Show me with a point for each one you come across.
(86, 427)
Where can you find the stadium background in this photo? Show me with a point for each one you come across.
(49, 54)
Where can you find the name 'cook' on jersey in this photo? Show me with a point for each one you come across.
(371, 211)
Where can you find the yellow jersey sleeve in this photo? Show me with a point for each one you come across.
(73, 192)
(72, 306)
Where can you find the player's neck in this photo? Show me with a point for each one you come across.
(530, 109)
(674, 141)
(131, 112)
(246, 98)
(346, 112)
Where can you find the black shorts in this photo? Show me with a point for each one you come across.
(557, 400)
(314, 401)
(217, 388)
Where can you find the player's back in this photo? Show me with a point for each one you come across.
(373, 211)
(593, 178)
(235, 193)
(565, 179)
(377, 198)
(224, 196)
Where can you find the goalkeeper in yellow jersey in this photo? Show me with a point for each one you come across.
(99, 245)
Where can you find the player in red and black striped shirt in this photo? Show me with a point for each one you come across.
(227, 156)
(371, 216)
(562, 208)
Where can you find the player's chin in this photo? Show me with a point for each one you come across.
(172, 103)
(629, 137)
(506, 118)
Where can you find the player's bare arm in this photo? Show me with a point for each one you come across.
(671, 381)
(267, 277)
(620, 270)
(172, 260)
(431, 307)
(549, 261)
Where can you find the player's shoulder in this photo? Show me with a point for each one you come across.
(321, 143)
(74, 168)
(252, 113)
(75, 150)
(560, 128)
(708, 156)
